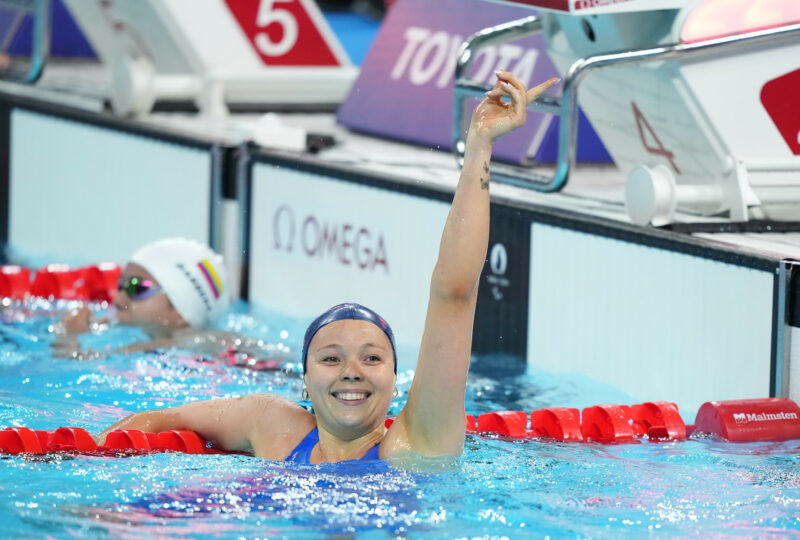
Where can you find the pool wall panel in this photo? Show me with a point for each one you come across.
(792, 374)
(656, 324)
(83, 191)
(502, 311)
(84, 186)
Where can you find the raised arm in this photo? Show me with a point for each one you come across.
(432, 421)
(264, 424)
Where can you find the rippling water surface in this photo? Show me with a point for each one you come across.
(498, 488)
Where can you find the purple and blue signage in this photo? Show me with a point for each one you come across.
(405, 89)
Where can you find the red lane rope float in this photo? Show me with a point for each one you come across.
(20, 440)
(744, 420)
(607, 423)
(96, 283)
(15, 282)
(557, 423)
(747, 420)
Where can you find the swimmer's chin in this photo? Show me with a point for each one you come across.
(412, 461)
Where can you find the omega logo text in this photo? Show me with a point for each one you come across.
(345, 243)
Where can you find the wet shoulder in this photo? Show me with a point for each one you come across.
(279, 424)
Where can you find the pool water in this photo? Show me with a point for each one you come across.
(497, 488)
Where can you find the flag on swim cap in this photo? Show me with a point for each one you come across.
(191, 274)
(349, 311)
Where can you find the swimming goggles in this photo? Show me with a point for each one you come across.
(138, 289)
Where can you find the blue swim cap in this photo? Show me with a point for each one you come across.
(349, 311)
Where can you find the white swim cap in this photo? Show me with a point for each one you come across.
(191, 274)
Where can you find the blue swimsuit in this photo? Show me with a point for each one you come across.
(302, 453)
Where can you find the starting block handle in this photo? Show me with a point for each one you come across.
(566, 106)
(466, 89)
(40, 48)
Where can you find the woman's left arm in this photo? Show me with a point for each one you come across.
(432, 422)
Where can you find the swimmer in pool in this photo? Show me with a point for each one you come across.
(349, 358)
(174, 289)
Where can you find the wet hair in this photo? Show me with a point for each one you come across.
(350, 311)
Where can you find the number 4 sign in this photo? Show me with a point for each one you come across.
(650, 140)
(288, 32)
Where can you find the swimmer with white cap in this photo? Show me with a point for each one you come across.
(174, 289)
(349, 355)
(172, 284)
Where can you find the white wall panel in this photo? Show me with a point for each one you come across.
(85, 193)
(657, 324)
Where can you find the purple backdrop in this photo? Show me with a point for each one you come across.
(405, 89)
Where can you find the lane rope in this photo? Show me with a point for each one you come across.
(744, 420)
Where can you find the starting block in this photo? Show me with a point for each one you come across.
(216, 53)
(694, 100)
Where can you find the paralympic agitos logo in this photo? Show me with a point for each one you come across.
(346, 243)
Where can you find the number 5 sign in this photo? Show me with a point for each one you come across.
(288, 32)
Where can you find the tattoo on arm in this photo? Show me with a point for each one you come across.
(485, 181)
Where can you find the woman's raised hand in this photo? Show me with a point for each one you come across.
(494, 117)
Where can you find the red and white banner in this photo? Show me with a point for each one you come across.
(288, 32)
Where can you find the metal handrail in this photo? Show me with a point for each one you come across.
(40, 10)
(567, 104)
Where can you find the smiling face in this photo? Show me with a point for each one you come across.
(350, 377)
(154, 314)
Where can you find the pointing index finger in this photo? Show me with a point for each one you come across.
(540, 89)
